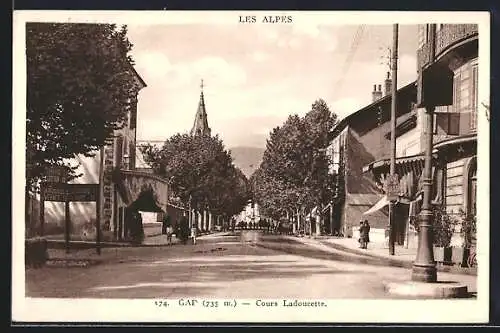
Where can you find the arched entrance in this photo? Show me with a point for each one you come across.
(140, 192)
(146, 202)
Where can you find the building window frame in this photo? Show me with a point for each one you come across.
(474, 96)
(470, 175)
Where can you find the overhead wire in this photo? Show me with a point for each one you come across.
(350, 56)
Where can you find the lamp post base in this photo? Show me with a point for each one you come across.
(421, 290)
(424, 273)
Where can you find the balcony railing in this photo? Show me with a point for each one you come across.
(446, 37)
(451, 34)
(423, 55)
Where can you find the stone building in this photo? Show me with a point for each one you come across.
(122, 187)
(447, 81)
(356, 141)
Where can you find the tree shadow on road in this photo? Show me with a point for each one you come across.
(203, 273)
(297, 248)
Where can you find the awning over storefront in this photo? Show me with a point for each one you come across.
(378, 206)
(384, 201)
(419, 159)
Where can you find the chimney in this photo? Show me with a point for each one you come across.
(388, 85)
(376, 94)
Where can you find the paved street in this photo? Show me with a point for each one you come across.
(224, 267)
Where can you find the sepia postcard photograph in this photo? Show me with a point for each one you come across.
(250, 166)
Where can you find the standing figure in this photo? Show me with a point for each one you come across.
(136, 228)
(184, 229)
(362, 235)
(193, 233)
(367, 232)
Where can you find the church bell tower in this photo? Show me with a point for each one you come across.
(200, 126)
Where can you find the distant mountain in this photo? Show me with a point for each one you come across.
(247, 158)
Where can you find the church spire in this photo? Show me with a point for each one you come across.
(200, 126)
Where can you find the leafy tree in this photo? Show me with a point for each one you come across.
(319, 122)
(80, 87)
(201, 170)
(293, 174)
(231, 195)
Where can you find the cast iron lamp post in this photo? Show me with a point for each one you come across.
(424, 267)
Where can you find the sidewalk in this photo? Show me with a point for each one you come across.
(154, 239)
(379, 250)
(85, 254)
(403, 257)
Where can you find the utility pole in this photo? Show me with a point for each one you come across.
(394, 88)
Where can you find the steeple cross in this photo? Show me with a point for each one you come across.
(202, 85)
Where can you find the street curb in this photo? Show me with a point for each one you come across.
(390, 262)
(60, 244)
(56, 244)
(359, 252)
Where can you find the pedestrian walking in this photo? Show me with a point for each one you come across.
(193, 233)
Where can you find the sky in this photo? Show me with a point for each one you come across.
(256, 75)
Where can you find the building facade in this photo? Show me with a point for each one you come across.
(357, 141)
(447, 85)
(250, 214)
(123, 189)
(448, 81)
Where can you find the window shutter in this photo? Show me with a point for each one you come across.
(454, 123)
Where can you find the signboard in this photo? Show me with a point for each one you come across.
(70, 192)
(392, 187)
(63, 192)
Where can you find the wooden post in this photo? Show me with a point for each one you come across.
(394, 88)
(42, 209)
(67, 220)
(100, 197)
(98, 224)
